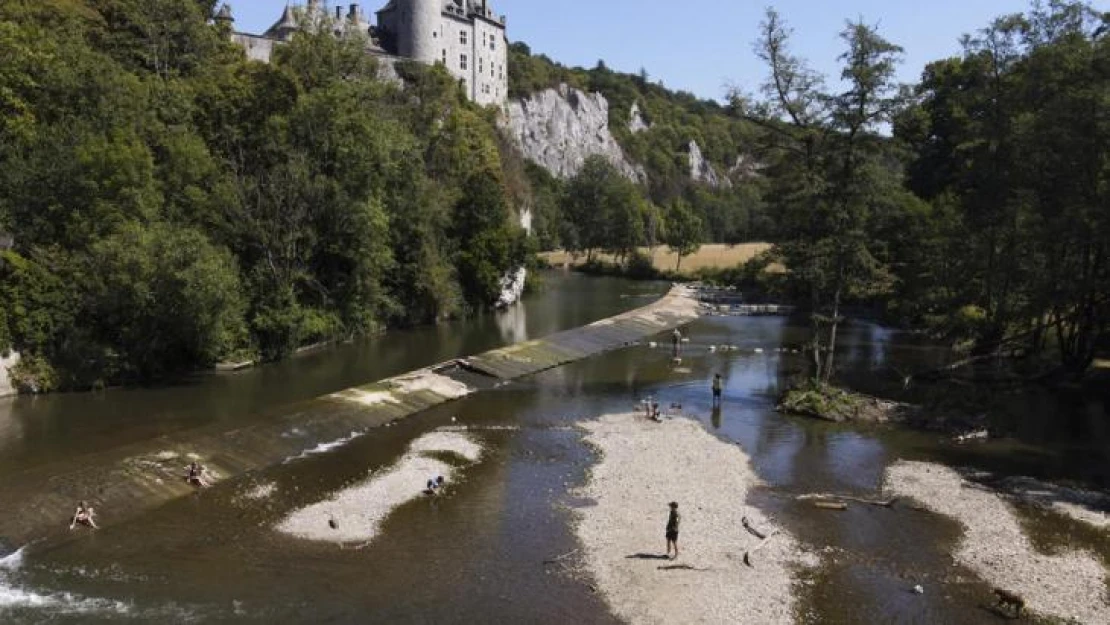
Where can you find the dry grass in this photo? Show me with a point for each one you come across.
(1102, 363)
(713, 256)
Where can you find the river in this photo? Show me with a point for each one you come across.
(478, 556)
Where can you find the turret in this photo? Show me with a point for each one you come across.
(415, 35)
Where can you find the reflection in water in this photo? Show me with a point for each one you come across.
(512, 322)
(476, 555)
(40, 430)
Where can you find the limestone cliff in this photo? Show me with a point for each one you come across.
(558, 129)
(636, 122)
(7, 360)
(701, 170)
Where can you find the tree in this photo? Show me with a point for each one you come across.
(829, 175)
(683, 231)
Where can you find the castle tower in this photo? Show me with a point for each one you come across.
(417, 29)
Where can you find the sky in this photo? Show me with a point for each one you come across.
(705, 46)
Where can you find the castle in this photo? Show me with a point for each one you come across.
(463, 35)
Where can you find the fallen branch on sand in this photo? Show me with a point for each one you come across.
(558, 559)
(751, 552)
(888, 503)
(830, 505)
(754, 532)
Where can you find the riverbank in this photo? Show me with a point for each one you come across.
(123, 481)
(663, 260)
(644, 465)
(1070, 585)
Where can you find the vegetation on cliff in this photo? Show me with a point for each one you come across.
(173, 204)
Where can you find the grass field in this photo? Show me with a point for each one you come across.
(709, 256)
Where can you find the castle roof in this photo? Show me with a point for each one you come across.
(286, 24)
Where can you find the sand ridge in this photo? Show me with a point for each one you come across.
(359, 511)
(644, 465)
(1069, 585)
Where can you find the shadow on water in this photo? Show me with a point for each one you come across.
(501, 548)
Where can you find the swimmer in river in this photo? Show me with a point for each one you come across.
(85, 515)
(194, 475)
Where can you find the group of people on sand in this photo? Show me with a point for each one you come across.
(195, 475)
(435, 486)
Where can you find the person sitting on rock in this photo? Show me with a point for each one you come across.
(85, 515)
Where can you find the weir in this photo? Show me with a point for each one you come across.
(126, 481)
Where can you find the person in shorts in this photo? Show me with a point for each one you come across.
(672, 529)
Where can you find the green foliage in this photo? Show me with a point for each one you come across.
(174, 204)
(729, 215)
(1009, 146)
(164, 298)
(683, 231)
(603, 211)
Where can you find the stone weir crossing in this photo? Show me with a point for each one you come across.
(125, 482)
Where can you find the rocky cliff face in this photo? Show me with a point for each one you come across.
(6, 362)
(636, 121)
(558, 129)
(701, 170)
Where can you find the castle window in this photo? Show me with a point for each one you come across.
(462, 37)
(462, 61)
(481, 65)
(445, 56)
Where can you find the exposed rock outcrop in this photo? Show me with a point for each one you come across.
(701, 170)
(636, 121)
(512, 287)
(7, 360)
(558, 129)
(746, 167)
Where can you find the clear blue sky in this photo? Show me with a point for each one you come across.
(704, 45)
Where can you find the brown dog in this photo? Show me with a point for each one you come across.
(1007, 599)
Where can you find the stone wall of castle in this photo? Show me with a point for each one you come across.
(463, 35)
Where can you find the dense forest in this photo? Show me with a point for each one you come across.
(166, 204)
(974, 205)
(172, 204)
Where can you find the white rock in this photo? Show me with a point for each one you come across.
(558, 129)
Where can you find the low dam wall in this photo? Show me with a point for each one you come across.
(129, 480)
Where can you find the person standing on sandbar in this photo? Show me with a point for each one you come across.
(672, 529)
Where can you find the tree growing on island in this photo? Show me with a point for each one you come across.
(829, 181)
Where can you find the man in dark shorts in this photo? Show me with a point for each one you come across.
(717, 389)
(672, 529)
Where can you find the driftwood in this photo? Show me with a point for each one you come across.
(888, 503)
(557, 559)
(830, 505)
(754, 532)
(750, 552)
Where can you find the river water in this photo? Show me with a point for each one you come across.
(479, 555)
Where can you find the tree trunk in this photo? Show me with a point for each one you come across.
(832, 337)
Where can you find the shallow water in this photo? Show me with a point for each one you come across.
(479, 555)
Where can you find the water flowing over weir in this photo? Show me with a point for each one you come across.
(126, 481)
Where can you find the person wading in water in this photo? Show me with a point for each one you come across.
(676, 338)
(85, 515)
(717, 389)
